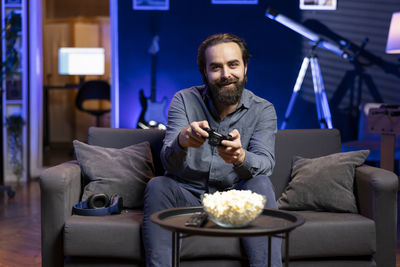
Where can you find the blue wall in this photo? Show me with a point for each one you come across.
(272, 69)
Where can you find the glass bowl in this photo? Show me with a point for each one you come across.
(233, 208)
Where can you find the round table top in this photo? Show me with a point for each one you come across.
(270, 222)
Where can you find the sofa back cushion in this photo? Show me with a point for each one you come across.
(119, 138)
(306, 143)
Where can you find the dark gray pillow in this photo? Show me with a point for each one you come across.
(124, 171)
(323, 184)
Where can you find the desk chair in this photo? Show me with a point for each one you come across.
(94, 98)
(371, 141)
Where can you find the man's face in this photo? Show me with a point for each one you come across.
(225, 72)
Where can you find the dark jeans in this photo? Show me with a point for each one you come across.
(164, 193)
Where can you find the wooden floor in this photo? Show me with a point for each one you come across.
(20, 228)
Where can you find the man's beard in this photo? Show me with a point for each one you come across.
(227, 95)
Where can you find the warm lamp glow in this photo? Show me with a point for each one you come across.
(393, 42)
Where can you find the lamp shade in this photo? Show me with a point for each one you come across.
(393, 42)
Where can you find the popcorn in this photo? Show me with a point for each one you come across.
(233, 208)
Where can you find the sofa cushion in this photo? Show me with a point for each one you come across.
(323, 183)
(326, 234)
(117, 236)
(123, 171)
(120, 237)
(306, 143)
(119, 138)
(323, 235)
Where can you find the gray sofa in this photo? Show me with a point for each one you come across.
(326, 239)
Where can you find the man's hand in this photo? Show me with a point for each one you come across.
(232, 151)
(193, 135)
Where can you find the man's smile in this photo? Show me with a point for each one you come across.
(228, 84)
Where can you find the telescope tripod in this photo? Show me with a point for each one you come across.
(321, 101)
(352, 82)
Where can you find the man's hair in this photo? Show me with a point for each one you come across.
(218, 39)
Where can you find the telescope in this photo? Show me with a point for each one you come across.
(321, 100)
(361, 56)
(316, 40)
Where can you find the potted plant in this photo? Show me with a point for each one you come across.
(15, 124)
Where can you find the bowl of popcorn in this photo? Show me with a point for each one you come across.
(233, 208)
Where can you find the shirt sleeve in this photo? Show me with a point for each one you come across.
(173, 156)
(260, 153)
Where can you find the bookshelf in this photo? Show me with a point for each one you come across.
(14, 83)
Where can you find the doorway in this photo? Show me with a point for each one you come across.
(71, 23)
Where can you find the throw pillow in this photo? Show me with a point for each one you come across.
(324, 183)
(124, 171)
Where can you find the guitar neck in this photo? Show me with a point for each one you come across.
(153, 77)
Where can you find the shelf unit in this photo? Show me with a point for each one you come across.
(15, 85)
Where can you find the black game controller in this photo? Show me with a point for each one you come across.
(215, 138)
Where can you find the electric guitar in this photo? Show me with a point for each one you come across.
(153, 112)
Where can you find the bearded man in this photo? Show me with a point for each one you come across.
(194, 167)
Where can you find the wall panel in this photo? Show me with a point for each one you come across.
(181, 30)
(277, 53)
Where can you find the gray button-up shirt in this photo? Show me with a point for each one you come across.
(202, 169)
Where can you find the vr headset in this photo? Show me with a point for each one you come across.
(99, 204)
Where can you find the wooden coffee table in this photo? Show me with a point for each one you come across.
(271, 223)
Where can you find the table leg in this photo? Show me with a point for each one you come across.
(269, 250)
(287, 249)
(388, 141)
(175, 249)
(46, 118)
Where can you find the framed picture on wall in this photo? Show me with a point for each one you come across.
(318, 4)
(151, 4)
(239, 2)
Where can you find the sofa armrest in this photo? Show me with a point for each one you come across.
(377, 195)
(60, 188)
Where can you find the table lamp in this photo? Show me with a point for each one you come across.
(393, 42)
